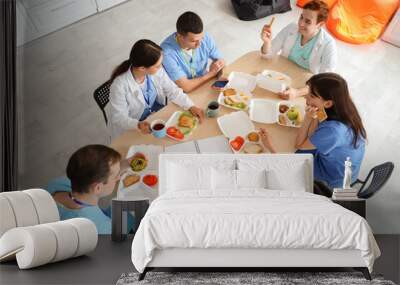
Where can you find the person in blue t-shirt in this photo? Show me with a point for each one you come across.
(187, 53)
(92, 173)
(341, 135)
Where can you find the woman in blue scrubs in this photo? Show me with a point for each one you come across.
(340, 136)
(331, 141)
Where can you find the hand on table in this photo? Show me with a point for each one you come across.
(196, 111)
(144, 127)
(216, 66)
(288, 94)
(267, 140)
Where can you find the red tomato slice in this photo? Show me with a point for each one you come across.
(239, 139)
(235, 145)
(178, 135)
(171, 131)
(175, 133)
(150, 180)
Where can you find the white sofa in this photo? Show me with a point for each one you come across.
(31, 233)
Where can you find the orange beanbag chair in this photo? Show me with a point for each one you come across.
(301, 3)
(360, 21)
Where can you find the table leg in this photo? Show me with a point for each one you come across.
(116, 224)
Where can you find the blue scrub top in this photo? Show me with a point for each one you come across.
(100, 217)
(301, 54)
(177, 64)
(149, 92)
(334, 143)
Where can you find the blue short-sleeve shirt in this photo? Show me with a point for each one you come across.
(334, 143)
(177, 63)
(100, 217)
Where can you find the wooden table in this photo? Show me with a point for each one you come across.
(252, 63)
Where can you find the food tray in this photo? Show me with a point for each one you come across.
(247, 142)
(235, 124)
(241, 81)
(273, 80)
(242, 96)
(267, 111)
(173, 121)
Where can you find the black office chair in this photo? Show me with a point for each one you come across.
(380, 175)
(102, 96)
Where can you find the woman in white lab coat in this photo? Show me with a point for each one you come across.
(140, 86)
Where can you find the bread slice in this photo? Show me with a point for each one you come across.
(131, 179)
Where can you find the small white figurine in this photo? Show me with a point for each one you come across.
(347, 174)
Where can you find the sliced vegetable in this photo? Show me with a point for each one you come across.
(150, 180)
(237, 143)
(175, 133)
(171, 130)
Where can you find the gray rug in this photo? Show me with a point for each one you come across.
(242, 278)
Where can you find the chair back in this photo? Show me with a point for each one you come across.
(102, 96)
(378, 175)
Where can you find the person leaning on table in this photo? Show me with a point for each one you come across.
(188, 51)
(140, 87)
(340, 136)
(306, 43)
(92, 173)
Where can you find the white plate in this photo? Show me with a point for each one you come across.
(273, 80)
(241, 81)
(173, 121)
(221, 99)
(235, 124)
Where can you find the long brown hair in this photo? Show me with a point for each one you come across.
(143, 53)
(331, 86)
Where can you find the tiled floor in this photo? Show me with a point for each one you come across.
(58, 74)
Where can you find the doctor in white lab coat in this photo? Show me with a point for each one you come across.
(306, 43)
(140, 86)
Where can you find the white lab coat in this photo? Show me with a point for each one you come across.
(127, 103)
(323, 57)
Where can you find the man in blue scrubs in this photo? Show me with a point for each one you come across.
(92, 173)
(187, 53)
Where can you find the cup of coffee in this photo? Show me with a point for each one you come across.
(158, 128)
(212, 109)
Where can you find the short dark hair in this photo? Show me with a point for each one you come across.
(189, 22)
(90, 164)
(320, 7)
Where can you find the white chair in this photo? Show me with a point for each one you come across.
(31, 231)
